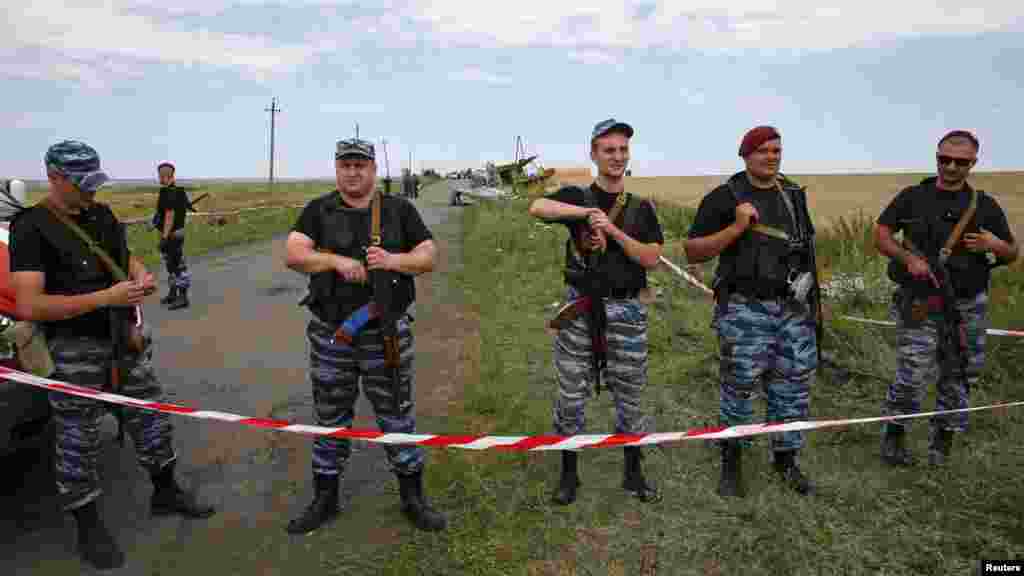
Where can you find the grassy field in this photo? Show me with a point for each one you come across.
(866, 518)
(832, 196)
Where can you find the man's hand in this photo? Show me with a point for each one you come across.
(127, 293)
(919, 269)
(349, 269)
(148, 282)
(984, 241)
(596, 241)
(746, 215)
(378, 258)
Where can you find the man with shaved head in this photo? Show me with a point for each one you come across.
(944, 221)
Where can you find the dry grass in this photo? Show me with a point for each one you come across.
(830, 196)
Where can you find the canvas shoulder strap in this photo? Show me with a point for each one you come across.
(375, 237)
(958, 230)
(94, 247)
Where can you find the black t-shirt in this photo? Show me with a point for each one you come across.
(622, 273)
(65, 261)
(414, 232)
(717, 211)
(915, 205)
(172, 198)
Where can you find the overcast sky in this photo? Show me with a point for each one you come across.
(864, 85)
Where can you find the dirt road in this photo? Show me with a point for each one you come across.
(241, 348)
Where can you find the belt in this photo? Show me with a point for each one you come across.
(615, 293)
(759, 290)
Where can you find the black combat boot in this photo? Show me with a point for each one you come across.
(565, 494)
(169, 498)
(95, 543)
(180, 300)
(731, 482)
(633, 479)
(415, 507)
(894, 450)
(323, 508)
(941, 442)
(785, 465)
(172, 295)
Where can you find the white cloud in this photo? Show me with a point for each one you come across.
(710, 24)
(94, 40)
(475, 74)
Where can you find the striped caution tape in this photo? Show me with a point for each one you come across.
(471, 442)
(989, 331)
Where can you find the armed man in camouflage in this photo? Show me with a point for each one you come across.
(758, 225)
(65, 287)
(602, 332)
(360, 329)
(170, 222)
(953, 235)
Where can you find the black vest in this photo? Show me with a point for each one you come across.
(928, 230)
(766, 260)
(575, 267)
(332, 299)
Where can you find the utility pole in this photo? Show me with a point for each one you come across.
(357, 130)
(273, 110)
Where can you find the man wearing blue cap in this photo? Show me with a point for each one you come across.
(74, 276)
(362, 250)
(603, 329)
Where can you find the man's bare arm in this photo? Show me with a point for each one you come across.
(705, 248)
(36, 306)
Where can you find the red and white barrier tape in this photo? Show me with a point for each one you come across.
(989, 331)
(471, 442)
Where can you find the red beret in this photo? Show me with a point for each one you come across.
(753, 139)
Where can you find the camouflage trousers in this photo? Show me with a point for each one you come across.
(178, 274)
(336, 370)
(84, 362)
(772, 342)
(917, 363)
(625, 375)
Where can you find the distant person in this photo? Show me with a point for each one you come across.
(943, 269)
(766, 294)
(349, 342)
(170, 221)
(66, 288)
(614, 239)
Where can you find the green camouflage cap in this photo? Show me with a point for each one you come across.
(78, 162)
(355, 147)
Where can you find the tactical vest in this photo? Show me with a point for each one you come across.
(575, 266)
(767, 256)
(928, 231)
(332, 295)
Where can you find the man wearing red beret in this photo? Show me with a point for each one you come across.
(953, 236)
(767, 298)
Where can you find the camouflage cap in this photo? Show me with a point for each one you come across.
(605, 126)
(77, 161)
(355, 147)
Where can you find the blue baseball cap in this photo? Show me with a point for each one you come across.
(354, 147)
(610, 125)
(78, 162)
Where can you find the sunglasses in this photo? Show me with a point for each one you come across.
(961, 162)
